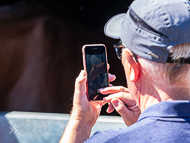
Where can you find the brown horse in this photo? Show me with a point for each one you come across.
(40, 57)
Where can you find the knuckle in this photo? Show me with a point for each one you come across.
(121, 108)
(78, 80)
(120, 95)
(122, 89)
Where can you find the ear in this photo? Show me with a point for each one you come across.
(130, 65)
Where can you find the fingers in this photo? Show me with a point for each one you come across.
(83, 110)
(80, 101)
(129, 116)
(101, 102)
(108, 66)
(118, 99)
(125, 97)
(110, 85)
(118, 92)
(110, 108)
(80, 84)
(114, 89)
(119, 106)
(111, 77)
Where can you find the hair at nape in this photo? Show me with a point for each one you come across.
(170, 72)
(180, 51)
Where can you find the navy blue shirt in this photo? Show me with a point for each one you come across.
(165, 122)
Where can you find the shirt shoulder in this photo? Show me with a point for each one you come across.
(108, 136)
(129, 134)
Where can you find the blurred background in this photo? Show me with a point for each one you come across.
(40, 50)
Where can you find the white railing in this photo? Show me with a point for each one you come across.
(30, 127)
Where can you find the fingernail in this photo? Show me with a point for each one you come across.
(104, 98)
(112, 75)
(115, 103)
(107, 110)
(82, 73)
(101, 89)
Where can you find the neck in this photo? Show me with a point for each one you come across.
(163, 94)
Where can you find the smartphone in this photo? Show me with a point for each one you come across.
(95, 64)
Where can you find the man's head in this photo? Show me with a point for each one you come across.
(158, 33)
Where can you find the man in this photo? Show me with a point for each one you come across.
(155, 37)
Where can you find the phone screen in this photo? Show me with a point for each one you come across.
(96, 67)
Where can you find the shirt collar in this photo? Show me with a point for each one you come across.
(167, 109)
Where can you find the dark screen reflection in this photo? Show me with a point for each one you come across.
(97, 74)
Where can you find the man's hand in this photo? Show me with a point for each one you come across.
(83, 110)
(123, 102)
(84, 114)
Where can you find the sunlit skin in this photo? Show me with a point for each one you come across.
(85, 113)
(142, 92)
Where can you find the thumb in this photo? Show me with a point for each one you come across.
(80, 85)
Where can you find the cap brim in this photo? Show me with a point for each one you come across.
(113, 26)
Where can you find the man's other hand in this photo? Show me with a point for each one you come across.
(121, 100)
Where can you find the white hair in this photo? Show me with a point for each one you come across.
(180, 51)
(169, 73)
